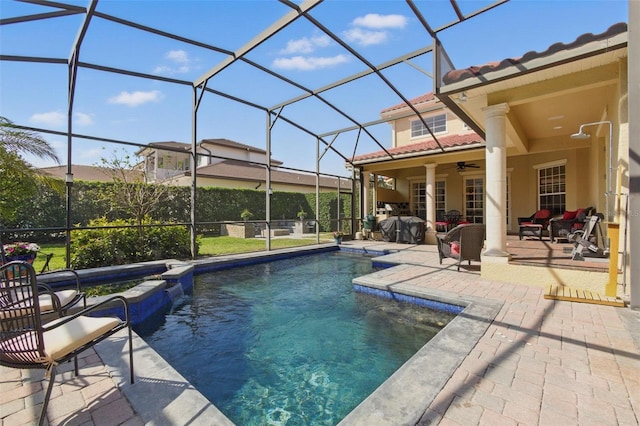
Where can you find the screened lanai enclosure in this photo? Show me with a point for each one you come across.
(297, 86)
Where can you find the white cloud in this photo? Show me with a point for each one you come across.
(53, 118)
(374, 20)
(82, 119)
(365, 37)
(89, 154)
(58, 119)
(305, 44)
(309, 63)
(181, 63)
(134, 99)
(179, 56)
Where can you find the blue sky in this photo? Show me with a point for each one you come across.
(142, 111)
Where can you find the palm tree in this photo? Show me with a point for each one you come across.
(19, 180)
(18, 140)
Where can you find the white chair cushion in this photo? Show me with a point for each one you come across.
(65, 296)
(70, 336)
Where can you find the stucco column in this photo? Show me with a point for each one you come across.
(430, 203)
(366, 179)
(496, 180)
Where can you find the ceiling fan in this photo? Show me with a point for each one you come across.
(461, 165)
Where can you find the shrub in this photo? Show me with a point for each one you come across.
(122, 243)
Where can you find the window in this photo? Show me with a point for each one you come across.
(419, 199)
(441, 205)
(437, 124)
(508, 200)
(474, 199)
(551, 189)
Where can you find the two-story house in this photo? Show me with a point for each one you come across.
(227, 164)
(548, 130)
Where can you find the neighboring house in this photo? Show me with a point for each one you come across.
(227, 164)
(523, 112)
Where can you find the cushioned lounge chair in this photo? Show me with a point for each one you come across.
(568, 223)
(27, 342)
(534, 225)
(464, 242)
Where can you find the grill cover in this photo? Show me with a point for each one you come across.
(402, 229)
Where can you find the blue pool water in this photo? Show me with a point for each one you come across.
(290, 342)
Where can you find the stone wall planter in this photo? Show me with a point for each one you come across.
(238, 230)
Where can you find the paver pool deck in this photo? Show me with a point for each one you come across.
(539, 362)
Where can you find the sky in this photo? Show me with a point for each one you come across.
(140, 111)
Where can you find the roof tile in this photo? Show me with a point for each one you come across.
(425, 146)
(455, 76)
(427, 97)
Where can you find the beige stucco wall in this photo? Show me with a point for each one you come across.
(402, 129)
(540, 276)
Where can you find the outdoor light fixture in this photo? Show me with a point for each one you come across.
(582, 135)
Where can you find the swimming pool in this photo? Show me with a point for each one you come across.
(308, 353)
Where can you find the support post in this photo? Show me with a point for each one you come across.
(496, 180)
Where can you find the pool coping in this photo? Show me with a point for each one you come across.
(405, 396)
(161, 395)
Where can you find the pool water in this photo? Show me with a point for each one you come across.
(290, 342)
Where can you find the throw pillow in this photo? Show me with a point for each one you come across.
(455, 248)
(569, 215)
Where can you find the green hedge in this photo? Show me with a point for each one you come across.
(213, 205)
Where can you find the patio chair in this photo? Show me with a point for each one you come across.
(534, 225)
(464, 242)
(27, 342)
(568, 223)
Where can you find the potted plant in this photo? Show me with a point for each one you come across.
(301, 214)
(337, 236)
(246, 215)
(21, 251)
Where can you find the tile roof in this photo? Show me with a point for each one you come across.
(238, 170)
(233, 144)
(424, 147)
(455, 76)
(216, 141)
(426, 98)
(82, 172)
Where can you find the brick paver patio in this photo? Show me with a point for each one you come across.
(541, 362)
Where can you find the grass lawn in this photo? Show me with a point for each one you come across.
(209, 246)
(212, 246)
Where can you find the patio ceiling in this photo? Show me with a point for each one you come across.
(377, 80)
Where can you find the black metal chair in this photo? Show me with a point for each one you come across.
(27, 342)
